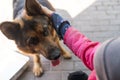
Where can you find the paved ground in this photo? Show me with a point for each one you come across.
(59, 72)
(100, 21)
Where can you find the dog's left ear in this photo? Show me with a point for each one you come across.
(33, 8)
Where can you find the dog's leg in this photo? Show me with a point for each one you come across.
(64, 53)
(37, 67)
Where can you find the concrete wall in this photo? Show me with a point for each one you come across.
(100, 21)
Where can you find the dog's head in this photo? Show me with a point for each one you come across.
(32, 31)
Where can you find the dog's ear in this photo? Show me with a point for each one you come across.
(33, 8)
(10, 29)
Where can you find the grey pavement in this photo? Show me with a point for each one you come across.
(99, 22)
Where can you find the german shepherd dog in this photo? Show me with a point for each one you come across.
(32, 32)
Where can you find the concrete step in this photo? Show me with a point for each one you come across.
(12, 64)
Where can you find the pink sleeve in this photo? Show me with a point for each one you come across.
(81, 46)
(92, 76)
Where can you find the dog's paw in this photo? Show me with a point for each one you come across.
(37, 70)
(67, 55)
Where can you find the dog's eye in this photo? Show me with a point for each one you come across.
(45, 26)
(33, 41)
(45, 31)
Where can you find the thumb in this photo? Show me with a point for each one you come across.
(47, 11)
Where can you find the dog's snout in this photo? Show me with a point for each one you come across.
(55, 54)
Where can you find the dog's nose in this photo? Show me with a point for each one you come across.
(55, 54)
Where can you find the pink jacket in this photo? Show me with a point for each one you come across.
(82, 47)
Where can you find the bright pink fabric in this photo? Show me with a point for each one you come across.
(81, 46)
(92, 76)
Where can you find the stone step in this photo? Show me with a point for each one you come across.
(12, 64)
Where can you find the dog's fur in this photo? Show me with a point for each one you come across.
(32, 32)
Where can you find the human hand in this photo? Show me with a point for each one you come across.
(47, 11)
(59, 24)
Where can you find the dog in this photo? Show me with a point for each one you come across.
(33, 33)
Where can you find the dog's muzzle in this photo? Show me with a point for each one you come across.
(54, 54)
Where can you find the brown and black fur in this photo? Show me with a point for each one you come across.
(32, 32)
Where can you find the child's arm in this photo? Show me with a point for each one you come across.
(81, 46)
